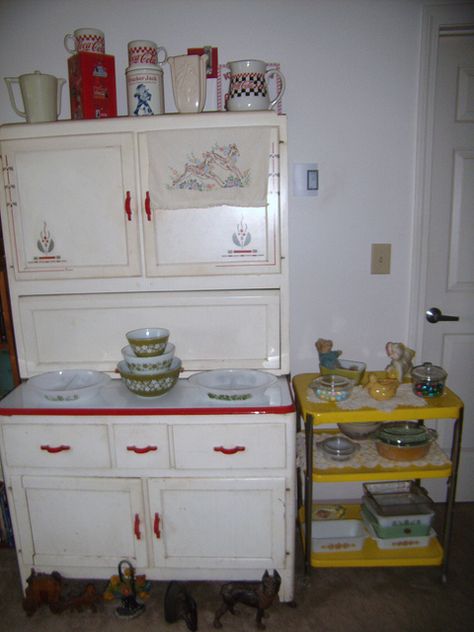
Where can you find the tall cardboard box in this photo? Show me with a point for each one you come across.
(92, 87)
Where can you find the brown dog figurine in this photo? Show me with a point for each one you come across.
(259, 595)
(43, 589)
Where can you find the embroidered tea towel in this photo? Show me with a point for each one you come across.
(200, 168)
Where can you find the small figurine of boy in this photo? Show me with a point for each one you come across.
(327, 356)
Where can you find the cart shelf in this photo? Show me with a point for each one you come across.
(371, 555)
(447, 408)
(438, 466)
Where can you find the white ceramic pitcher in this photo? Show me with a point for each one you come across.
(41, 96)
(248, 89)
(188, 78)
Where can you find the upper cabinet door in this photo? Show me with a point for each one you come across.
(72, 206)
(213, 238)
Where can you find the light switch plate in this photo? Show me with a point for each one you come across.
(305, 179)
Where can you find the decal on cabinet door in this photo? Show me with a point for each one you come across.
(46, 245)
(242, 238)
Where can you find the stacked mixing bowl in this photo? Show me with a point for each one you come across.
(149, 367)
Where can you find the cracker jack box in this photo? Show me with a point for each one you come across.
(92, 87)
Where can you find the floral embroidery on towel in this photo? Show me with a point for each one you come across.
(216, 167)
(209, 167)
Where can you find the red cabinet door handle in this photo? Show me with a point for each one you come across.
(238, 448)
(136, 527)
(156, 526)
(148, 448)
(128, 206)
(55, 449)
(148, 206)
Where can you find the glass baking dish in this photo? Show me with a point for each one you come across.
(395, 498)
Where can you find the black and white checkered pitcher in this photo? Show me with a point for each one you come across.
(248, 88)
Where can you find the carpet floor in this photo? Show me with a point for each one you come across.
(330, 600)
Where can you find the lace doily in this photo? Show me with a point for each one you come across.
(359, 398)
(366, 457)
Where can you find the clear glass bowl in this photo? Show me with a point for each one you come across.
(332, 388)
(359, 431)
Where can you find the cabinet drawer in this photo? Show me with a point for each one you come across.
(56, 446)
(139, 446)
(215, 446)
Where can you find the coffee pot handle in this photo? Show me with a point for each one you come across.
(9, 81)
(69, 37)
(61, 82)
(278, 97)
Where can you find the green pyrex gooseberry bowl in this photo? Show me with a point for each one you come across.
(154, 385)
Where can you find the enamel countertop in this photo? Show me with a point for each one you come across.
(116, 399)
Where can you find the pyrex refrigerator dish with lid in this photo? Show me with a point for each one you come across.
(402, 542)
(338, 448)
(396, 526)
(332, 536)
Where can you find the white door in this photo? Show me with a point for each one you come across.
(72, 206)
(79, 522)
(449, 226)
(218, 523)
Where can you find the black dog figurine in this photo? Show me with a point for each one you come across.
(256, 595)
(180, 605)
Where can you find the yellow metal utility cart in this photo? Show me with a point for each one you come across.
(447, 407)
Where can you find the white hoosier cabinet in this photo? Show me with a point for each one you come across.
(176, 221)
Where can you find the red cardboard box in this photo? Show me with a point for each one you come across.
(92, 86)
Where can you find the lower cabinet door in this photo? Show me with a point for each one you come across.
(218, 523)
(82, 522)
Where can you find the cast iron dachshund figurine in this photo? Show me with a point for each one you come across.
(256, 595)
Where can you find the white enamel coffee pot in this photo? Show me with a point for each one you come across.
(41, 96)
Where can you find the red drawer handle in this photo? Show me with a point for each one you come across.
(55, 450)
(128, 208)
(136, 527)
(148, 206)
(238, 448)
(148, 448)
(156, 526)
